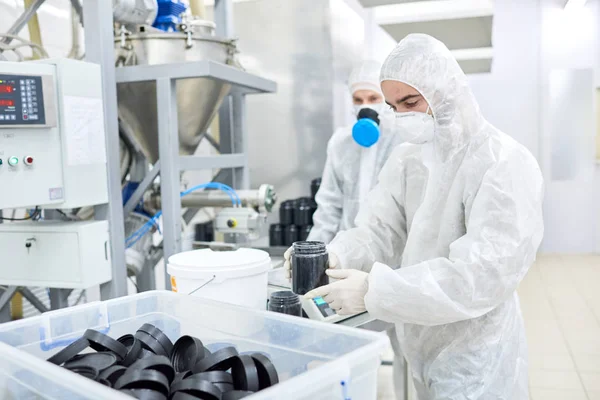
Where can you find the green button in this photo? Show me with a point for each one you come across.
(13, 161)
(0, 161)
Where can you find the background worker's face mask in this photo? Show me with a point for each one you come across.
(365, 131)
(414, 127)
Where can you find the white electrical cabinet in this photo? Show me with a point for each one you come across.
(55, 254)
(52, 136)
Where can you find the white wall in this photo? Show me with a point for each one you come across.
(532, 39)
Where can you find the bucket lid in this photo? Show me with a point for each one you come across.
(198, 264)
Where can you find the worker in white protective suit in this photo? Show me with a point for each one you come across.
(461, 210)
(354, 157)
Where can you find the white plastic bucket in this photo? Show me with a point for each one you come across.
(237, 277)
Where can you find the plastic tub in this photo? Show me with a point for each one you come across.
(313, 359)
(236, 277)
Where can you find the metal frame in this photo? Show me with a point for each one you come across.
(171, 163)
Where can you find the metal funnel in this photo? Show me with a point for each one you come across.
(198, 100)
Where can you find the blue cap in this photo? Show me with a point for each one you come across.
(365, 132)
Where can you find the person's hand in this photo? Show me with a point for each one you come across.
(347, 295)
(333, 263)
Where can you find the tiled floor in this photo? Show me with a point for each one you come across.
(560, 299)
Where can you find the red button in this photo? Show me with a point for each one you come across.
(28, 160)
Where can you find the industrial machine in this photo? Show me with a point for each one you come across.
(52, 156)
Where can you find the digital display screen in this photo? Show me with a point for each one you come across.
(6, 89)
(7, 103)
(319, 301)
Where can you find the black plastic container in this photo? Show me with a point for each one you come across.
(286, 213)
(285, 302)
(302, 212)
(290, 235)
(309, 262)
(304, 232)
(315, 184)
(204, 232)
(276, 235)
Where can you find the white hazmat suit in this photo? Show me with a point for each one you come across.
(351, 170)
(462, 215)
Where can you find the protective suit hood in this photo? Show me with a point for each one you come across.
(426, 64)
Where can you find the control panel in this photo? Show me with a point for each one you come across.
(21, 100)
(52, 139)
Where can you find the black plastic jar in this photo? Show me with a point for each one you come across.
(304, 232)
(309, 262)
(314, 187)
(285, 302)
(276, 235)
(302, 213)
(286, 213)
(290, 235)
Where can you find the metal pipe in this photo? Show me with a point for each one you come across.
(213, 198)
(76, 35)
(22, 20)
(34, 29)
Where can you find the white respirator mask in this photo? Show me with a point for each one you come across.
(379, 108)
(414, 127)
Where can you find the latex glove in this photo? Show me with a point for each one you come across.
(347, 295)
(334, 262)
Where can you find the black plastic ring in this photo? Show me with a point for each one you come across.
(179, 376)
(267, 373)
(144, 394)
(70, 351)
(236, 395)
(98, 361)
(112, 374)
(197, 387)
(220, 360)
(150, 343)
(104, 382)
(133, 354)
(187, 351)
(245, 374)
(214, 376)
(126, 340)
(101, 342)
(85, 370)
(144, 379)
(156, 363)
(157, 334)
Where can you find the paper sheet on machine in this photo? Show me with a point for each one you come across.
(84, 124)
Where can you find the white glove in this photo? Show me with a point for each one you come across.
(334, 262)
(346, 296)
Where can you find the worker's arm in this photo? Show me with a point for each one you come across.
(504, 228)
(380, 233)
(329, 198)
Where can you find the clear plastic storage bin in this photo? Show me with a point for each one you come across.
(299, 348)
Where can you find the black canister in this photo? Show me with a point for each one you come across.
(309, 262)
(315, 184)
(290, 235)
(204, 232)
(302, 215)
(304, 232)
(276, 235)
(286, 213)
(285, 302)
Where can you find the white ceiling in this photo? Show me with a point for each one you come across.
(465, 26)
